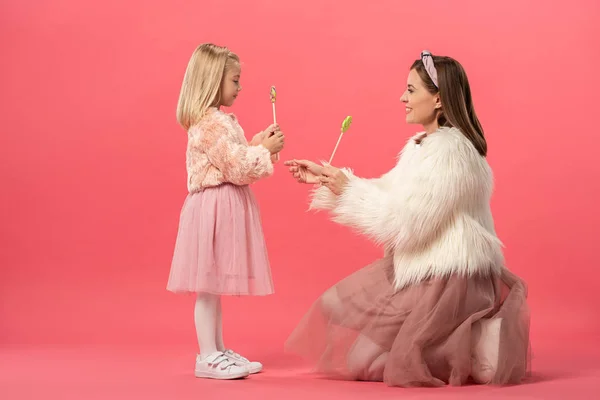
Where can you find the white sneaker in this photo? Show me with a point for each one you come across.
(219, 366)
(253, 366)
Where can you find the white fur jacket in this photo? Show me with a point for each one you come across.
(431, 211)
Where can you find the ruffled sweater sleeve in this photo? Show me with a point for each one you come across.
(239, 163)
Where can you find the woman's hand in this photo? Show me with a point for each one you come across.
(334, 179)
(304, 171)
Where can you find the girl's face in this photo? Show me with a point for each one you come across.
(231, 86)
(421, 106)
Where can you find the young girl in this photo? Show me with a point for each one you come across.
(220, 248)
(441, 307)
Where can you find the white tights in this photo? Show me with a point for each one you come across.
(208, 318)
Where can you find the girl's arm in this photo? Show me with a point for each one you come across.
(240, 164)
(257, 140)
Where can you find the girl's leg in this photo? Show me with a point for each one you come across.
(253, 366)
(205, 318)
(212, 363)
(219, 339)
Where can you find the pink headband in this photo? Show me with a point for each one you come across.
(427, 60)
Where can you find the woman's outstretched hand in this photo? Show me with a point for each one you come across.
(305, 171)
(334, 179)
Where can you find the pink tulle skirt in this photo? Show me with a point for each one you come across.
(220, 247)
(427, 334)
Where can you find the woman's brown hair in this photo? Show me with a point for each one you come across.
(455, 95)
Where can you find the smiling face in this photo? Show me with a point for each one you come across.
(230, 87)
(421, 106)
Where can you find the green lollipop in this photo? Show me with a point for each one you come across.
(345, 126)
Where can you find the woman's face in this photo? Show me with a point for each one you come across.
(421, 106)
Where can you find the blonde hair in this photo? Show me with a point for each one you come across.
(201, 87)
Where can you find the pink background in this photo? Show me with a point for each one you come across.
(93, 167)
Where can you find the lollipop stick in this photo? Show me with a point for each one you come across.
(335, 148)
(273, 94)
(345, 127)
(275, 121)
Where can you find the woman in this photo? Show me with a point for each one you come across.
(440, 307)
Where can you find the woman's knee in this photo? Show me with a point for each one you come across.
(366, 360)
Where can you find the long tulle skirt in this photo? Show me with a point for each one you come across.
(439, 332)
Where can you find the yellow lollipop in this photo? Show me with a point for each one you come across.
(273, 99)
(273, 94)
(345, 126)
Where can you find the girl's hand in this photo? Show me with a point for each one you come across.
(259, 137)
(304, 171)
(334, 179)
(274, 142)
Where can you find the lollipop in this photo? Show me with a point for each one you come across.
(345, 126)
(273, 99)
(273, 95)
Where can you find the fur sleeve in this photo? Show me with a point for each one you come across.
(447, 175)
(239, 163)
(324, 199)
